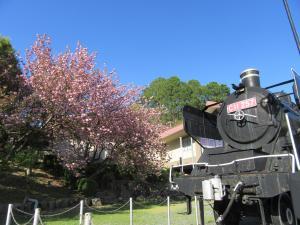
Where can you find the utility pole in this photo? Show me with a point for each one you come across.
(290, 18)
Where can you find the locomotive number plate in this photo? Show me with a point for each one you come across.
(244, 104)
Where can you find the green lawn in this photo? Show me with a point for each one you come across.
(143, 214)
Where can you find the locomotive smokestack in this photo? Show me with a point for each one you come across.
(250, 78)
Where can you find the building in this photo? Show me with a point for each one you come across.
(181, 149)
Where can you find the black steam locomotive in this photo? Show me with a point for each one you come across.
(256, 172)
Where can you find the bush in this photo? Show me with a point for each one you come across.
(87, 186)
(27, 158)
(162, 177)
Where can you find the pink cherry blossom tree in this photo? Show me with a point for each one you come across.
(86, 111)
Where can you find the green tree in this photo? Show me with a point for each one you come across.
(9, 83)
(215, 92)
(172, 94)
(11, 97)
(9, 70)
(197, 92)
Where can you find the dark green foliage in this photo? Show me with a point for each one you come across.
(87, 186)
(163, 177)
(51, 164)
(10, 83)
(69, 178)
(15, 136)
(115, 179)
(9, 68)
(214, 91)
(172, 94)
(80, 183)
(27, 158)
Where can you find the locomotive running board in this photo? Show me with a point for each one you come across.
(204, 164)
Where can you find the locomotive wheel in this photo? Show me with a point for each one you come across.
(233, 218)
(282, 211)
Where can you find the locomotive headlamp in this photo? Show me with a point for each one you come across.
(250, 78)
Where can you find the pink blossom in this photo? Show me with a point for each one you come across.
(84, 109)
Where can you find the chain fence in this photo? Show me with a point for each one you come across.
(107, 211)
(19, 223)
(142, 205)
(23, 212)
(12, 218)
(174, 210)
(41, 221)
(60, 213)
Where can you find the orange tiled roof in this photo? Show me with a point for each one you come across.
(172, 131)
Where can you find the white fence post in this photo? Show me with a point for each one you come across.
(88, 219)
(131, 212)
(196, 210)
(36, 218)
(169, 214)
(8, 217)
(81, 212)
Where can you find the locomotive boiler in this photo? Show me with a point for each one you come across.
(256, 171)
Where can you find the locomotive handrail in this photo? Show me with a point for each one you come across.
(234, 161)
(295, 151)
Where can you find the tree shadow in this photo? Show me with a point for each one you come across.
(15, 188)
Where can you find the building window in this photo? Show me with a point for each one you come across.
(186, 143)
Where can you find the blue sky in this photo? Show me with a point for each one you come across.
(207, 40)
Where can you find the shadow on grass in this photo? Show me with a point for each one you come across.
(17, 187)
(137, 205)
(69, 216)
(182, 213)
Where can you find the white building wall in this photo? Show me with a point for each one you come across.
(184, 150)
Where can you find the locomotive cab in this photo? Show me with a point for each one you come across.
(260, 131)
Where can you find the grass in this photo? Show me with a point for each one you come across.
(14, 186)
(143, 214)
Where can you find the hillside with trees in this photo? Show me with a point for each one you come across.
(62, 114)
